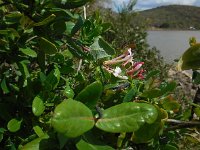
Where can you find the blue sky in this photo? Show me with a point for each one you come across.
(148, 4)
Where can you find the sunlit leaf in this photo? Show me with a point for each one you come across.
(28, 52)
(36, 144)
(97, 51)
(14, 125)
(72, 118)
(38, 106)
(190, 58)
(127, 117)
(38, 131)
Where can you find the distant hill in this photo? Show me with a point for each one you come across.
(172, 17)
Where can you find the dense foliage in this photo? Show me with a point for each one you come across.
(63, 86)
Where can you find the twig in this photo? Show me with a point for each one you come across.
(177, 124)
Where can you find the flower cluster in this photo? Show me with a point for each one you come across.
(126, 59)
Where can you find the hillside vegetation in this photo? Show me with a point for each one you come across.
(172, 17)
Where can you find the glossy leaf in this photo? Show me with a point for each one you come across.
(38, 106)
(52, 79)
(46, 46)
(72, 118)
(28, 52)
(38, 131)
(68, 92)
(90, 94)
(36, 144)
(127, 117)
(98, 49)
(14, 125)
(149, 131)
(190, 58)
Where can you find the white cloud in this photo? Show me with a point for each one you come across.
(181, 2)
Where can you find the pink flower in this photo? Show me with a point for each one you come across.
(135, 72)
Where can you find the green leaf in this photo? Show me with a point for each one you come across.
(197, 111)
(52, 79)
(46, 46)
(62, 140)
(90, 94)
(169, 103)
(152, 93)
(152, 74)
(4, 86)
(59, 27)
(169, 147)
(38, 106)
(72, 118)
(170, 87)
(130, 95)
(149, 131)
(38, 131)
(36, 144)
(108, 49)
(24, 71)
(14, 125)
(28, 52)
(77, 26)
(2, 130)
(127, 117)
(196, 77)
(190, 58)
(97, 49)
(85, 145)
(46, 20)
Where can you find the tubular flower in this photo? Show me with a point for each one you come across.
(134, 70)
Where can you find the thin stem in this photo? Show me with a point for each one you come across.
(178, 124)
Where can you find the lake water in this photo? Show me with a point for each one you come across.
(171, 43)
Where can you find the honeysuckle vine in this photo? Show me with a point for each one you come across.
(124, 66)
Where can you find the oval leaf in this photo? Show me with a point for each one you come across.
(35, 144)
(46, 46)
(14, 125)
(72, 118)
(28, 52)
(127, 117)
(38, 106)
(90, 94)
(190, 58)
